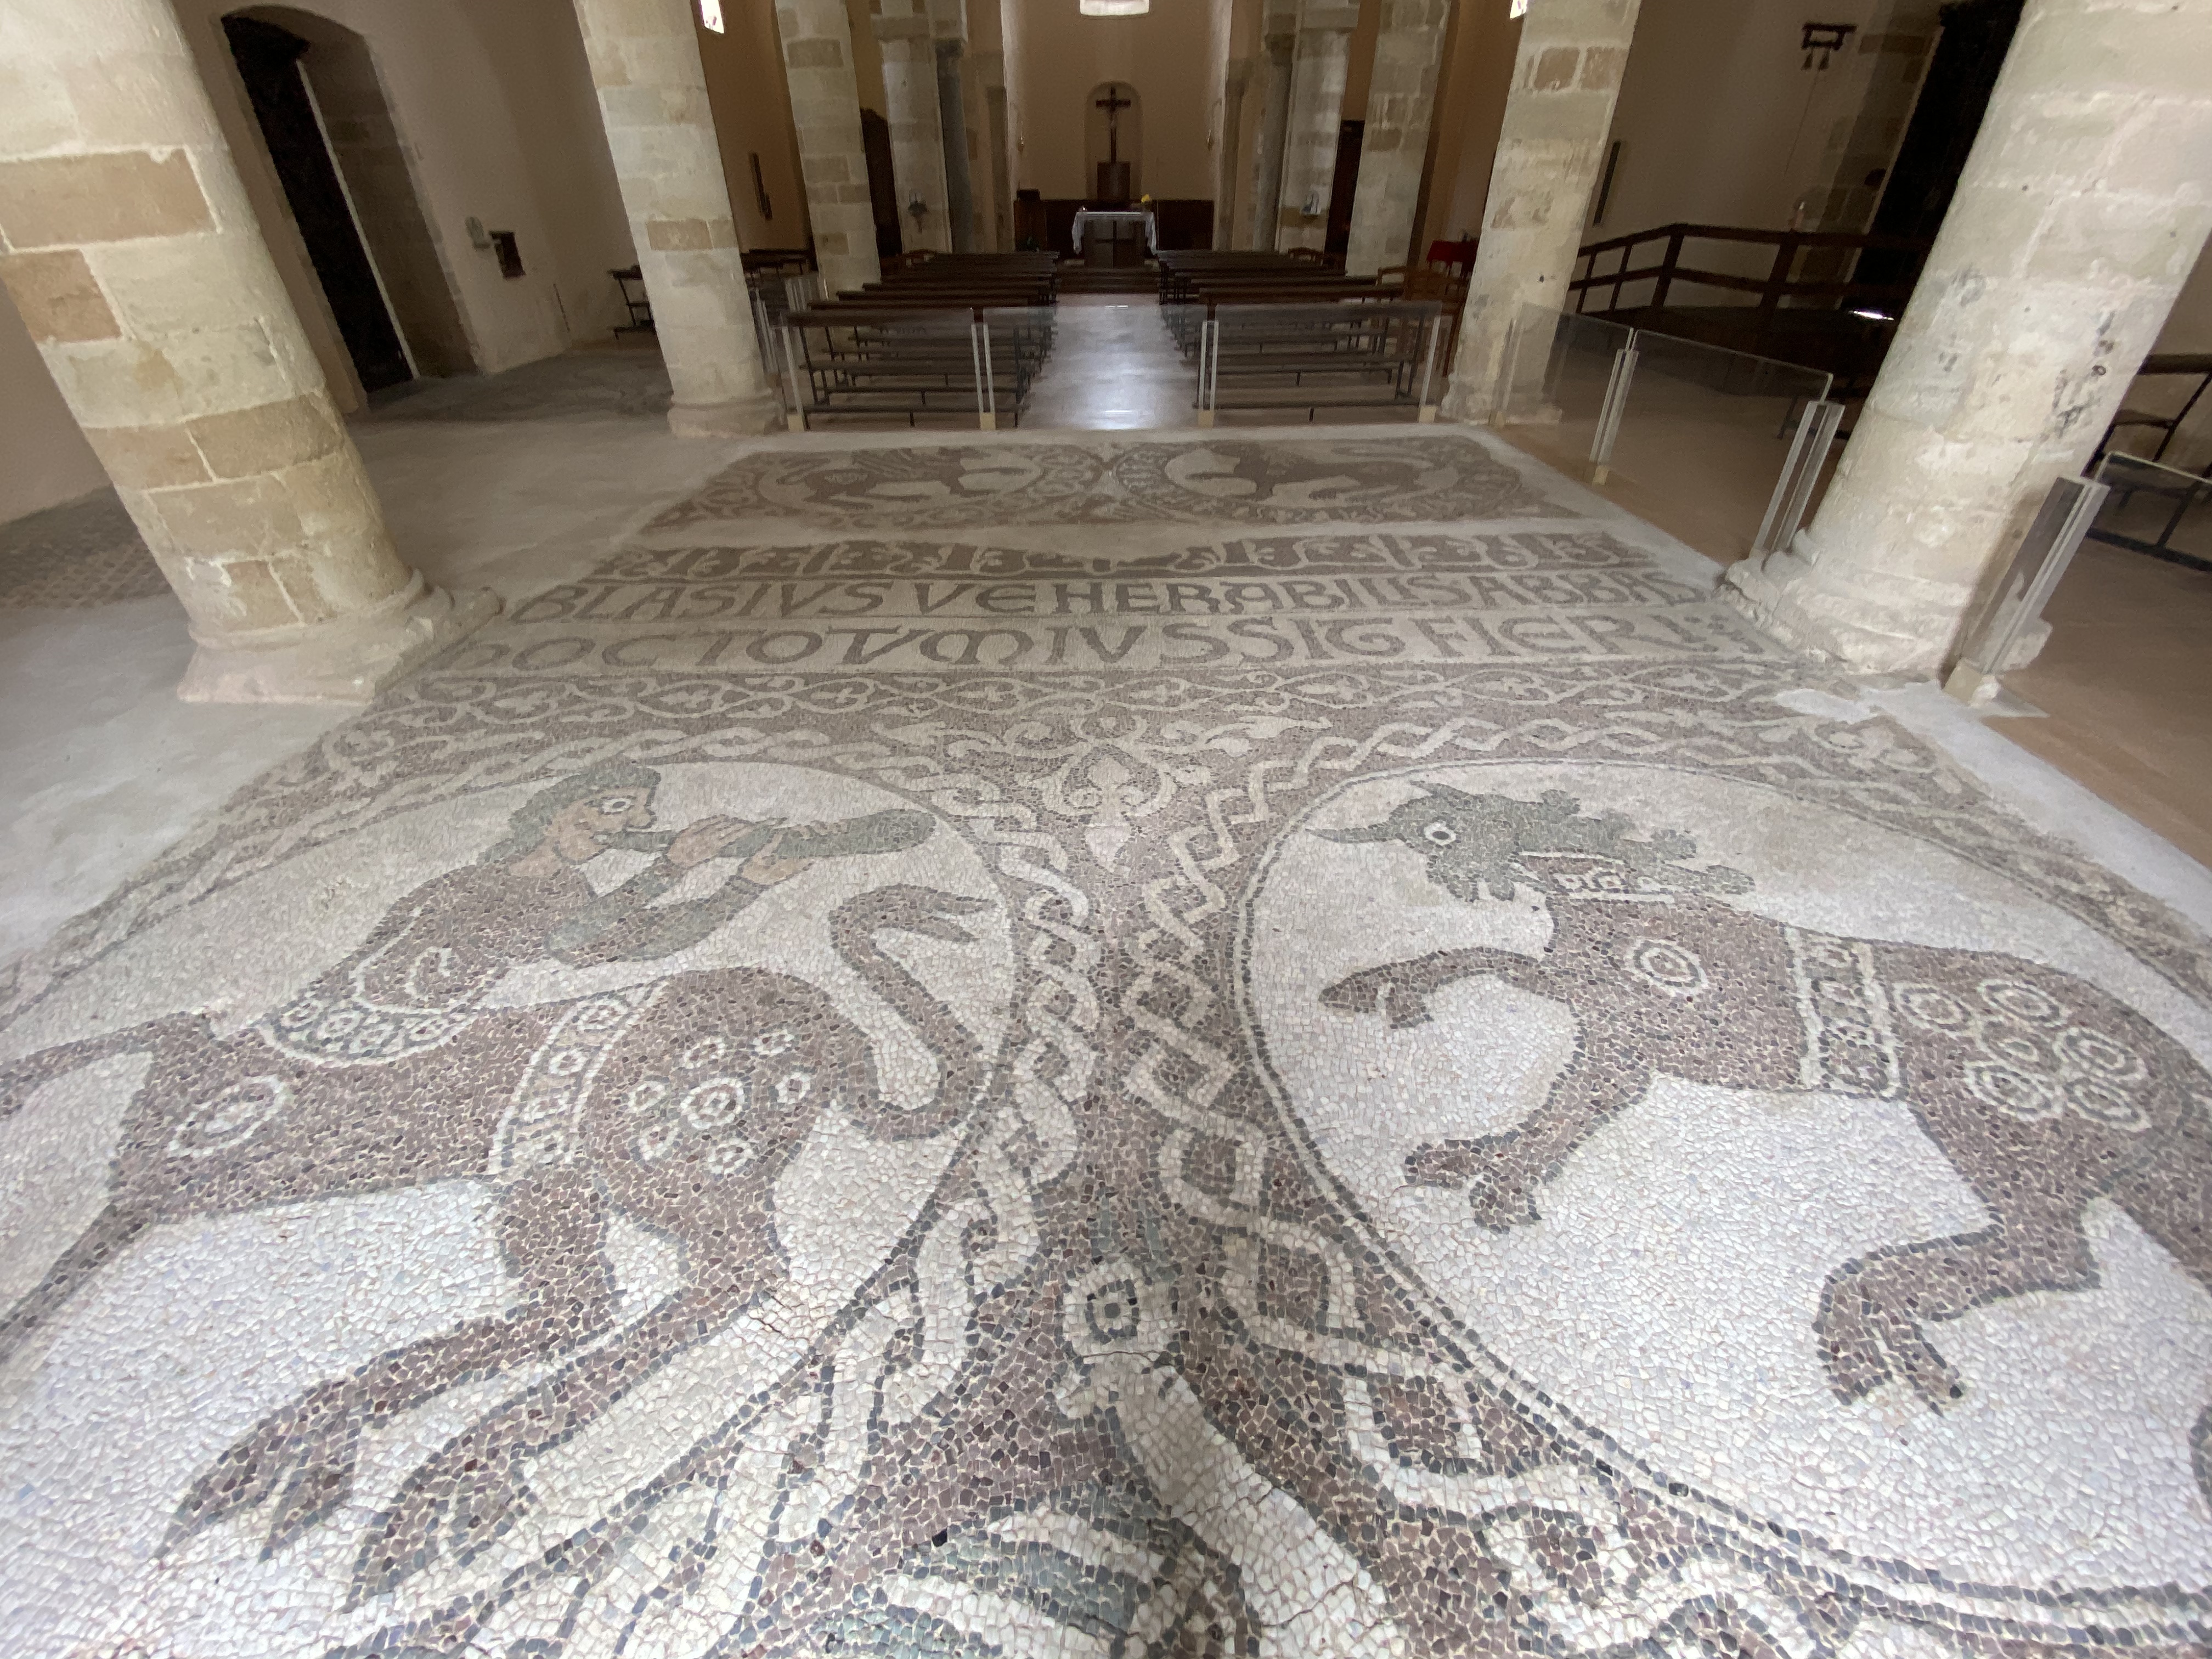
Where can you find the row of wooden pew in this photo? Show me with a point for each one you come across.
(960, 334)
(1288, 331)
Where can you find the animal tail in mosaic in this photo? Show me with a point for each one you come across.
(676, 1104)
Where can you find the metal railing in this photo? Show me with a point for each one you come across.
(974, 363)
(1781, 282)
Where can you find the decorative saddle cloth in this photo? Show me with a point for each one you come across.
(1851, 1044)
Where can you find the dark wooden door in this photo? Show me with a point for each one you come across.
(883, 184)
(268, 61)
(1345, 185)
(1977, 33)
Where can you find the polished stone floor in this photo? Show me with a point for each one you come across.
(1113, 368)
(1104, 1045)
(2124, 703)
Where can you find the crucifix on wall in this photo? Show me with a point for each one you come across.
(1114, 172)
(1114, 103)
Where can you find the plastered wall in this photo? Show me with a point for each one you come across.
(1721, 121)
(494, 104)
(2188, 328)
(752, 116)
(1471, 88)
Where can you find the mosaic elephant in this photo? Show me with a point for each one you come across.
(676, 1102)
(2043, 1090)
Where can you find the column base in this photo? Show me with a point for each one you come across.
(349, 660)
(1874, 625)
(1462, 409)
(744, 417)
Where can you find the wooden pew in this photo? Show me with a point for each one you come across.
(1358, 353)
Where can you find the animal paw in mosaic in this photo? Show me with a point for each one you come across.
(1049, 1092)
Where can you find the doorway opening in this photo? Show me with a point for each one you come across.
(328, 129)
(1344, 182)
(882, 184)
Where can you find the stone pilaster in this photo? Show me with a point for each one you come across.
(825, 114)
(986, 72)
(127, 243)
(952, 121)
(652, 98)
(1279, 43)
(2083, 207)
(1316, 121)
(917, 126)
(1226, 156)
(1566, 76)
(1402, 93)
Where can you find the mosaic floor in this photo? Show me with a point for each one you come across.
(81, 554)
(1276, 1047)
(621, 381)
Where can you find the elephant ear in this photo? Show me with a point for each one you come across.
(1445, 792)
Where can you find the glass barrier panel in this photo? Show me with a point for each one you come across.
(1309, 359)
(1702, 436)
(2155, 509)
(1017, 339)
(1185, 323)
(1555, 370)
(887, 362)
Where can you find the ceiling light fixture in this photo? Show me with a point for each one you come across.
(1113, 8)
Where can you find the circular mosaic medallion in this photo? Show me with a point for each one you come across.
(1792, 1166)
(1350, 478)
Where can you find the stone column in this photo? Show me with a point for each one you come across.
(1402, 93)
(825, 114)
(986, 74)
(653, 99)
(127, 243)
(1315, 121)
(1226, 158)
(1001, 216)
(1565, 78)
(2082, 208)
(917, 127)
(952, 120)
(1278, 40)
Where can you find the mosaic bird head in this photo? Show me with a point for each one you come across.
(1487, 846)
